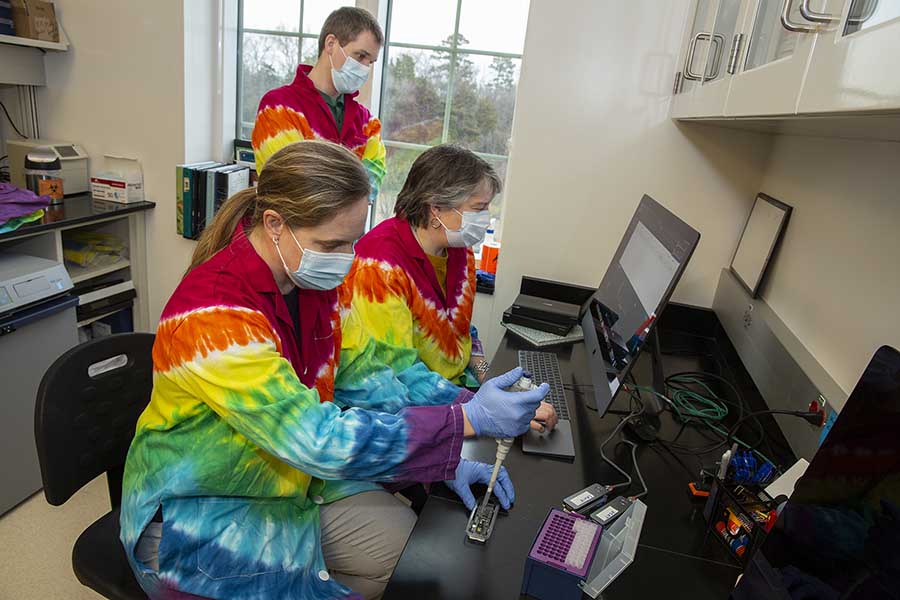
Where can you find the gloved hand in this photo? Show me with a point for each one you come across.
(469, 472)
(494, 412)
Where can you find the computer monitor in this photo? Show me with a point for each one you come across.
(619, 319)
(839, 534)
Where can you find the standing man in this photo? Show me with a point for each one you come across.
(321, 101)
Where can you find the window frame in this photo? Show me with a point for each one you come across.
(382, 10)
(454, 51)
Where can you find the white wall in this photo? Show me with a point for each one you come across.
(140, 80)
(836, 280)
(592, 135)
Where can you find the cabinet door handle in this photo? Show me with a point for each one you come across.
(719, 40)
(790, 25)
(815, 17)
(689, 60)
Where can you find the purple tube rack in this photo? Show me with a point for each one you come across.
(555, 539)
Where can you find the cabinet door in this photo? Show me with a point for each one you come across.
(723, 52)
(693, 59)
(778, 50)
(854, 65)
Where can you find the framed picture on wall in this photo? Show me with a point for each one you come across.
(759, 242)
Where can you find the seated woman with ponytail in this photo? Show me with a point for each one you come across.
(249, 475)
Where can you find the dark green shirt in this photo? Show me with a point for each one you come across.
(337, 108)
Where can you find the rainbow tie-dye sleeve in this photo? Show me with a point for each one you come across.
(275, 128)
(379, 368)
(374, 156)
(229, 359)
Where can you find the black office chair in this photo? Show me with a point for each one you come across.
(87, 407)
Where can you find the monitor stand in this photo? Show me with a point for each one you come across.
(647, 424)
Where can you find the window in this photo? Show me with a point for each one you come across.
(449, 73)
(274, 37)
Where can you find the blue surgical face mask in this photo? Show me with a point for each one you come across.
(318, 270)
(471, 230)
(349, 78)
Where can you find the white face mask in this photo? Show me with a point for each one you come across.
(471, 230)
(349, 78)
(318, 270)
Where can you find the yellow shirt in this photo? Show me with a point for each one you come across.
(440, 269)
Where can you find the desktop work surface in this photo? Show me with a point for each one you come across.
(675, 555)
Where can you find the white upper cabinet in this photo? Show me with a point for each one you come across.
(779, 44)
(778, 58)
(722, 58)
(856, 62)
(695, 51)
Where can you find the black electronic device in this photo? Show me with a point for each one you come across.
(544, 368)
(838, 536)
(619, 318)
(546, 309)
(611, 511)
(540, 325)
(584, 499)
(481, 521)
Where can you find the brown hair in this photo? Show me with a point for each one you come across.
(307, 183)
(443, 176)
(347, 23)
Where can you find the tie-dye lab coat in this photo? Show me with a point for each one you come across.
(245, 436)
(397, 302)
(297, 112)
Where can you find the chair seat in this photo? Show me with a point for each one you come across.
(98, 559)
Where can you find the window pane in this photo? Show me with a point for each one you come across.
(498, 25)
(415, 93)
(267, 62)
(770, 40)
(865, 14)
(399, 160)
(484, 97)
(316, 11)
(422, 22)
(276, 15)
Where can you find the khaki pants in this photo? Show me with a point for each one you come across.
(362, 539)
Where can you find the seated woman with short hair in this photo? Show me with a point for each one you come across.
(412, 286)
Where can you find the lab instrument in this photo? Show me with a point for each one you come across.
(611, 511)
(73, 162)
(585, 498)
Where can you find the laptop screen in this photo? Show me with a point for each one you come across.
(637, 285)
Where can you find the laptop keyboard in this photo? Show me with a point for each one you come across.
(544, 368)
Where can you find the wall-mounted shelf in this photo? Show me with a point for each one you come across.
(61, 46)
(22, 59)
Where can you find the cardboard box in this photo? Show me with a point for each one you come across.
(35, 19)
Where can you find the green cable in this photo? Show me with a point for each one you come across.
(691, 406)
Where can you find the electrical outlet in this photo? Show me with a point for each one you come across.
(748, 317)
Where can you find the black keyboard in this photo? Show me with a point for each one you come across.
(544, 368)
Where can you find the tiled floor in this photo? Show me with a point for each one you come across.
(36, 542)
